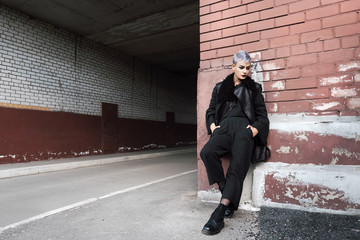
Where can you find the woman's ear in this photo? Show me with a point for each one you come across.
(233, 66)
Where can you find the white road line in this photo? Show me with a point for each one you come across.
(90, 200)
(46, 214)
(145, 184)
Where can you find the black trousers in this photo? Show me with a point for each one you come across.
(235, 139)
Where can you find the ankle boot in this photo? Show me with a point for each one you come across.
(229, 211)
(216, 221)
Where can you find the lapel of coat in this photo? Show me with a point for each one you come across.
(245, 99)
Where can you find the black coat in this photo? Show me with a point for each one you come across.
(252, 102)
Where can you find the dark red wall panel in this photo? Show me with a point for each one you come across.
(30, 135)
(142, 134)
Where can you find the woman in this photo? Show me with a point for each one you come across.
(237, 121)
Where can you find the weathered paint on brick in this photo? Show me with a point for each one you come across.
(309, 68)
(305, 147)
(325, 188)
(349, 66)
(338, 80)
(290, 190)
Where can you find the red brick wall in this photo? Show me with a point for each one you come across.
(307, 55)
(309, 50)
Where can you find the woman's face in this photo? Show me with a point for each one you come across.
(242, 69)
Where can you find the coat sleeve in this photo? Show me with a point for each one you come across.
(262, 121)
(210, 112)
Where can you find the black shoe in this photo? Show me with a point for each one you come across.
(229, 211)
(216, 221)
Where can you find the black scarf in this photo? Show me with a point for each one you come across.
(226, 90)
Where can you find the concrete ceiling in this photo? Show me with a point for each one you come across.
(162, 32)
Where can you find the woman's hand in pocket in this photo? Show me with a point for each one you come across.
(254, 130)
(213, 127)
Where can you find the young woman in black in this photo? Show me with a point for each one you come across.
(237, 121)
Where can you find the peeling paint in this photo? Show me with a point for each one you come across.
(292, 177)
(289, 193)
(181, 143)
(278, 85)
(354, 103)
(307, 187)
(334, 80)
(345, 67)
(326, 106)
(306, 194)
(274, 107)
(308, 176)
(346, 127)
(341, 151)
(275, 95)
(9, 155)
(149, 146)
(338, 92)
(269, 66)
(309, 147)
(334, 160)
(84, 153)
(300, 136)
(255, 56)
(45, 155)
(257, 71)
(330, 195)
(121, 149)
(284, 150)
(357, 78)
(267, 76)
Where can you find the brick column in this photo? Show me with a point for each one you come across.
(306, 54)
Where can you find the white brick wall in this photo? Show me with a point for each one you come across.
(44, 66)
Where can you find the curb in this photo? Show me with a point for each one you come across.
(24, 171)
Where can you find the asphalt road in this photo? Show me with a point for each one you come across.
(28, 196)
(153, 198)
